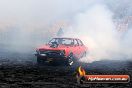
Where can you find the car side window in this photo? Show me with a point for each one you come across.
(80, 42)
(75, 42)
(52, 40)
(72, 42)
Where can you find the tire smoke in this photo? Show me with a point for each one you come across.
(97, 29)
(26, 24)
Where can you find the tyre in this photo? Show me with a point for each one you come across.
(40, 60)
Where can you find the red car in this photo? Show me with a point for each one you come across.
(67, 50)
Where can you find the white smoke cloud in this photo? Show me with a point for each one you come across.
(97, 30)
(26, 24)
(32, 22)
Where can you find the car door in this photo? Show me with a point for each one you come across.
(75, 48)
(81, 48)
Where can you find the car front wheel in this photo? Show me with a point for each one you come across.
(40, 60)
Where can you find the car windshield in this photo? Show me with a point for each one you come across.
(63, 41)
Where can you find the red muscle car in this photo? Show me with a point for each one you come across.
(67, 50)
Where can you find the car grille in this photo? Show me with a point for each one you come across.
(52, 52)
(49, 51)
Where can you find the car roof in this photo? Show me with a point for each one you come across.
(66, 38)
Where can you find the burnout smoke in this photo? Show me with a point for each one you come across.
(26, 24)
(97, 29)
